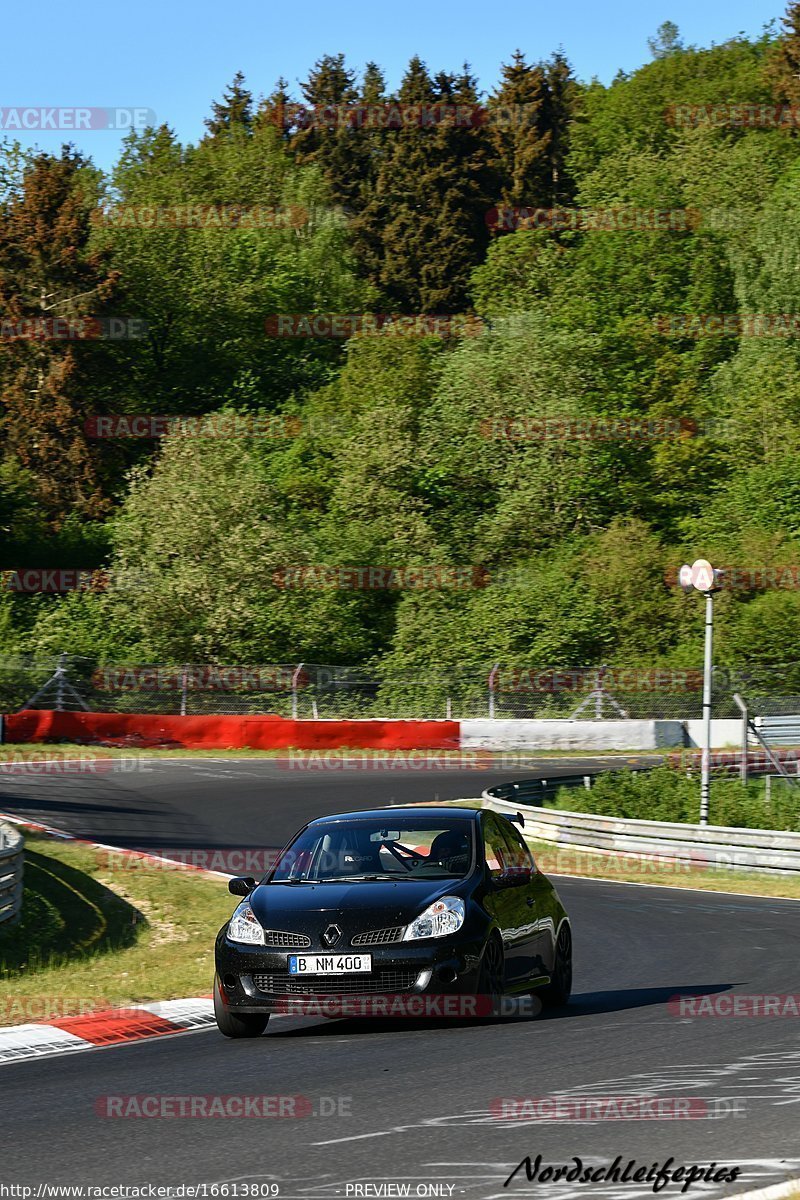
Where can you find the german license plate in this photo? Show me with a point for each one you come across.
(330, 964)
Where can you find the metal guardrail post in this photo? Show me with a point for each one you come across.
(741, 704)
(492, 680)
(756, 732)
(295, 680)
(12, 860)
(705, 766)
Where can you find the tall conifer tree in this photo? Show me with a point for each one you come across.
(519, 138)
(783, 68)
(49, 272)
(234, 111)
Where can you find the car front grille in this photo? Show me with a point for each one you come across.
(336, 985)
(278, 937)
(378, 937)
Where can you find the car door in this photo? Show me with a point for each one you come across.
(536, 893)
(507, 900)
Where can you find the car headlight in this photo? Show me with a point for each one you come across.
(245, 927)
(440, 918)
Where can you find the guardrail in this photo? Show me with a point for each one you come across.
(12, 854)
(703, 845)
(779, 730)
(534, 792)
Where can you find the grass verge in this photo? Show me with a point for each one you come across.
(17, 750)
(556, 859)
(92, 934)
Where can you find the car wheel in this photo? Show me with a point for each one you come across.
(559, 989)
(233, 1025)
(491, 981)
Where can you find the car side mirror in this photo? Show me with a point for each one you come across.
(516, 877)
(241, 885)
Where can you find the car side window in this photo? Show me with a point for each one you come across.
(520, 855)
(495, 849)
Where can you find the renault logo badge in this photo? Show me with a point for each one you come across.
(331, 935)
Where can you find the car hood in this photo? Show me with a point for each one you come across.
(356, 906)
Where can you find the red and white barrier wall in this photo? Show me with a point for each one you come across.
(228, 732)
(276, 733)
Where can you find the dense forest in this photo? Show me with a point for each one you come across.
(533, 471)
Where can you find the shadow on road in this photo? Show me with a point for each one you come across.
(587, 1004)
(584, 1004)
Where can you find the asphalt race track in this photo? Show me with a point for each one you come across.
(416, 1102)
(161, 804)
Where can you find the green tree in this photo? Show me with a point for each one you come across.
(667, 40)
(234, 112)
(423, 229)
(50, 270)
(783, 65)
(519, 137)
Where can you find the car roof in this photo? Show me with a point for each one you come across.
(438, 811)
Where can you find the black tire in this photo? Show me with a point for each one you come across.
(233, 1025)
(491, 978)
(559, 989)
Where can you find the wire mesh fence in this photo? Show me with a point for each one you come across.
(317, 691)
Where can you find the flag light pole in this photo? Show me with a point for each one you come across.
(702, 577)
(705, 774)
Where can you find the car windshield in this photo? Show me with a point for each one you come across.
(372, 850)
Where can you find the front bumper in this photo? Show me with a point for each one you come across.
(442, 966)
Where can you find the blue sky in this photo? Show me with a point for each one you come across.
(175, 58)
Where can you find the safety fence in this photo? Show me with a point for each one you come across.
(12, 854)
(713, 846)
(312, 691)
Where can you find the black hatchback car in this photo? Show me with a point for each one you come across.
(392, 901)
